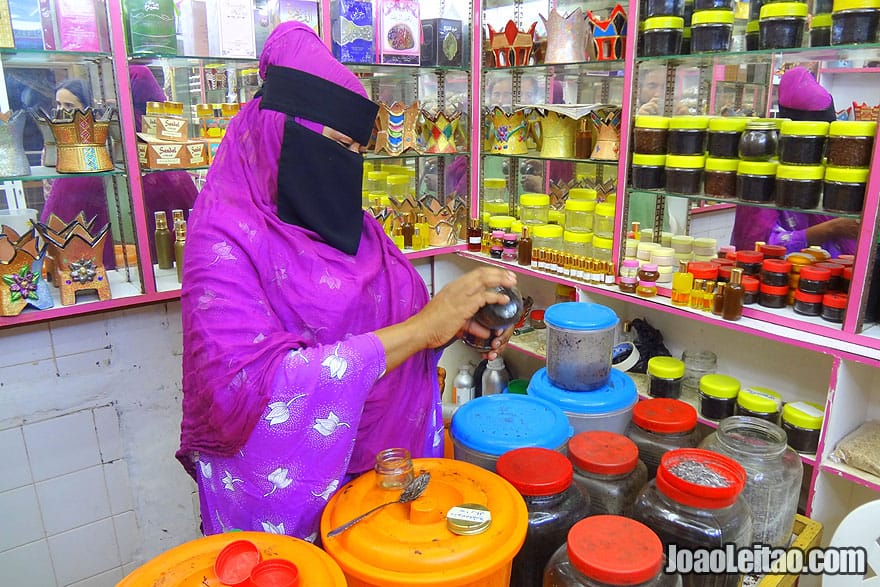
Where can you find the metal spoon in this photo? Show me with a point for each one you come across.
(411, 492)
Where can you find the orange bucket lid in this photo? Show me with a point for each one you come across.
(379, 550)
(192, 564)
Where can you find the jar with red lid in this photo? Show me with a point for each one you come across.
(836, 271)
(807, 304)
(659, 425)
(608, 469)
(814, 279)
(609, 550)
(750, 262)
(775, 272)
(544, 479)
(773, 296)
(834, 307)
(750, 289)
(773, 251)
(703, 270)
(696, 502)
(724, 273)
(844, 259)
(847, 278)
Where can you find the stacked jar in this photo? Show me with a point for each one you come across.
(683, 245)
(662, 36)
(850, 145)
(659, 425)
(664, 259)
(534, 208)
(547, 236)
(603, 220)
(495, 191)
(781, 25)
(608, 469)
(705, 249)
(820, 30)
(711, 30)
(855, 21)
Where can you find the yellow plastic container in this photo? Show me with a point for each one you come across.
(379, 551)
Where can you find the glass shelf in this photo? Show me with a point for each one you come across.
(198, 168)
(413, 155)
(635, 192)
(400, 71)
(838, 53)
(38, 173)
(192, 60)
(561, 159)
(610, 68)
(40, 57)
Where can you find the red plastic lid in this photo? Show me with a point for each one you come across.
(835, 300)
(842, 260)
(774, 290)
(847, 257)
(776, 266)
(723, 262)
(235, 562)
(835, 268)
(750, 283)
(535, 471)
(847, 273)
(603, 453)
(749, 256)
(773, 251)
(815, 273)
(275, 572)
(680, 468)
(803, 296)
(730, 255)
(663, 414)
(724, 271)
(536, 314)
(615, 550)
(702, 270)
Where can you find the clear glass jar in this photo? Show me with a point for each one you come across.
(578, 243)
(802, 142)
(854, 21)
(495, 190)
(697, 363)
(659, 425)
(579, 215)
(650, 135)
(394, 468)
(711, 31)
(850, 143)
(544, 479)
(695, 503)
(607, 468)
(782, 25)
(603, 220)
(602, 248)
(844, 188)
(774, 474)
(547, 236)
(534, 208)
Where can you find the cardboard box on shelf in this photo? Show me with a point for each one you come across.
(154, 153)
(399, 32)
(166, 128)
(211, 146)
(441, 42)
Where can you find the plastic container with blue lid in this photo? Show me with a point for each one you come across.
(606, 408)
(486, 427)
(580, 338)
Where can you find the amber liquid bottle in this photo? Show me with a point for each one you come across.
(164, 245)
(682, 283)
(408, 230)
(733, 296)
(179, 242)
(583, 140)
(718, 299)
(524, 249)
(474, 237)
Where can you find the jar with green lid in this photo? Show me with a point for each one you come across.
(687, 135)
(759, 402)
(603, 220)
(802, 422)
(582, 194)
(799, 186)
(854, 21)
(502, 223)
(662, 36)
(756, 181)
(711, 31)
(850, 143)
(579, 215)
(845, 189)
(534, 208)
(602, 248)
(547, 236)
(495, 190)
(650, 135)
(578, 243)
(721, 177)
(684, 173)
(782, 25)
(648, 171)
(802, 142)
(398, 186)
(752, 35)
(718, 396)
(724, 134)
(377, 182)
(820, 30)
(665, 375)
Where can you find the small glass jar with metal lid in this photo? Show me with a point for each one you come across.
(723, 136)
(534, 208)
(650, 134)
(814, 279)
(684, 174)
(820, 30)
(687, 135)
(711, 31)
(759, 140)
(648, 171)
(718, 396)
(662, 36)
(834, 305)
(547, 236)
(577, 243)
(850, 143)
(759, 402)
(756, 181)
(782, 25)
(802, 422)
(665, 374)
(802, 142)
(603, 220)
(753, 35)
(799, 186)
(607, 467)
(659, 425)
(844, 189)
(495, 190)
(579, 215)
(720, 179)
(854, 21)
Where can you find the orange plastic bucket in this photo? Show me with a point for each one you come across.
(192, 564)
(410, 544)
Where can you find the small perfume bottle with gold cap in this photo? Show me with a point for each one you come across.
(179, 242)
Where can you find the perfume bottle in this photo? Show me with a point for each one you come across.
(524, 249)
(406, 226)
(179, 242)
(474, 236)
(733, 296)
(164, 245)
(682, 283)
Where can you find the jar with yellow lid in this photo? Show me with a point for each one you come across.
(720, 180)
(603, 220)
(556, 217)
(756, 181)
(665, 375)
(495, 190)
(534, 208)
(663, 36)
(759, 402)
(802, 142)
(377, 181)
(820, 30)
(582, 194)
(782, 25)
(579, 215)
(684, 174)
(753, 35)
(687, 135)
(648, 171)
(718, 396)
(230, 109)
(398, 186)
(854, 21)
(845, 189)
(650, 134)
(799, 186)
(850, 143)
(578, 243)
(501, 222)
(711, 31)
(602, 247)
(723, 136)
(802, 422)
(547, 236)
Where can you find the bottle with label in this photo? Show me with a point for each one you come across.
(733, 296)
(463, 385)
(524, 249)
(682, 284)
(164, 244)
(474, 236)
(495, 377)
(179, 242)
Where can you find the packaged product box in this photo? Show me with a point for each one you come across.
(77, 26)
(441, 42)
(266, 18)
(399, 32)
(154, 153)
(27, 25)
(193, 25)
(50, 29)
(302, 10)
(353, 31)
(231, 28)
(166, 128)
(152, 26)
(7, 41)
(211, 146)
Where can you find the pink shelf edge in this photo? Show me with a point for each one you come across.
(832, 469)
(96, 307)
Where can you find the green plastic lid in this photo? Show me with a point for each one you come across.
(664, 22)
(580, 205)
(821, 21)
(784, 9)
(602, 243)
(497, 208)
(643, 121)
(685, 161)
(649, 160)
(728, 123)
(800, 172)
(752, 27)
(501, 222)
(722, 165)
(577, 237)
(689, 122)
(847, 174)
(713, 17)
(494, 182)
(757, 167)
(582, 194)
(804, 128)
(720, 386)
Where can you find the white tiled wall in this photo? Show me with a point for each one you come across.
(716, 224)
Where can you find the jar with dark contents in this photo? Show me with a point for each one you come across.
(814, 280)
(544, 479)
(650, 134)
(695, 503)
(608, 469)
(711, 31)
(723, 136)
(750, 262)
(662, 36)
(718, 396)
(684, 174)
(508, 243)
(773, 251)
(773, 296)
(759, 402)
(782, 25)
(665, 374)
(756, 181)
(802, 422)
(654, 8)
(802, 142)
(720, 178)
(850, 143)
(703, 270)
(799, 186)
(775, 272)
(760, 138)
(686, 39)
(687, 135)
(496, 317)
(497, 244)
(854, 21)
(659, 425)
(753, 35)
(820, 30)
(713, 5)
(807, 304)
(844, 189)
(834, 306)
(648, 171)
(835, 270)
(847, 280)
(750, 290)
